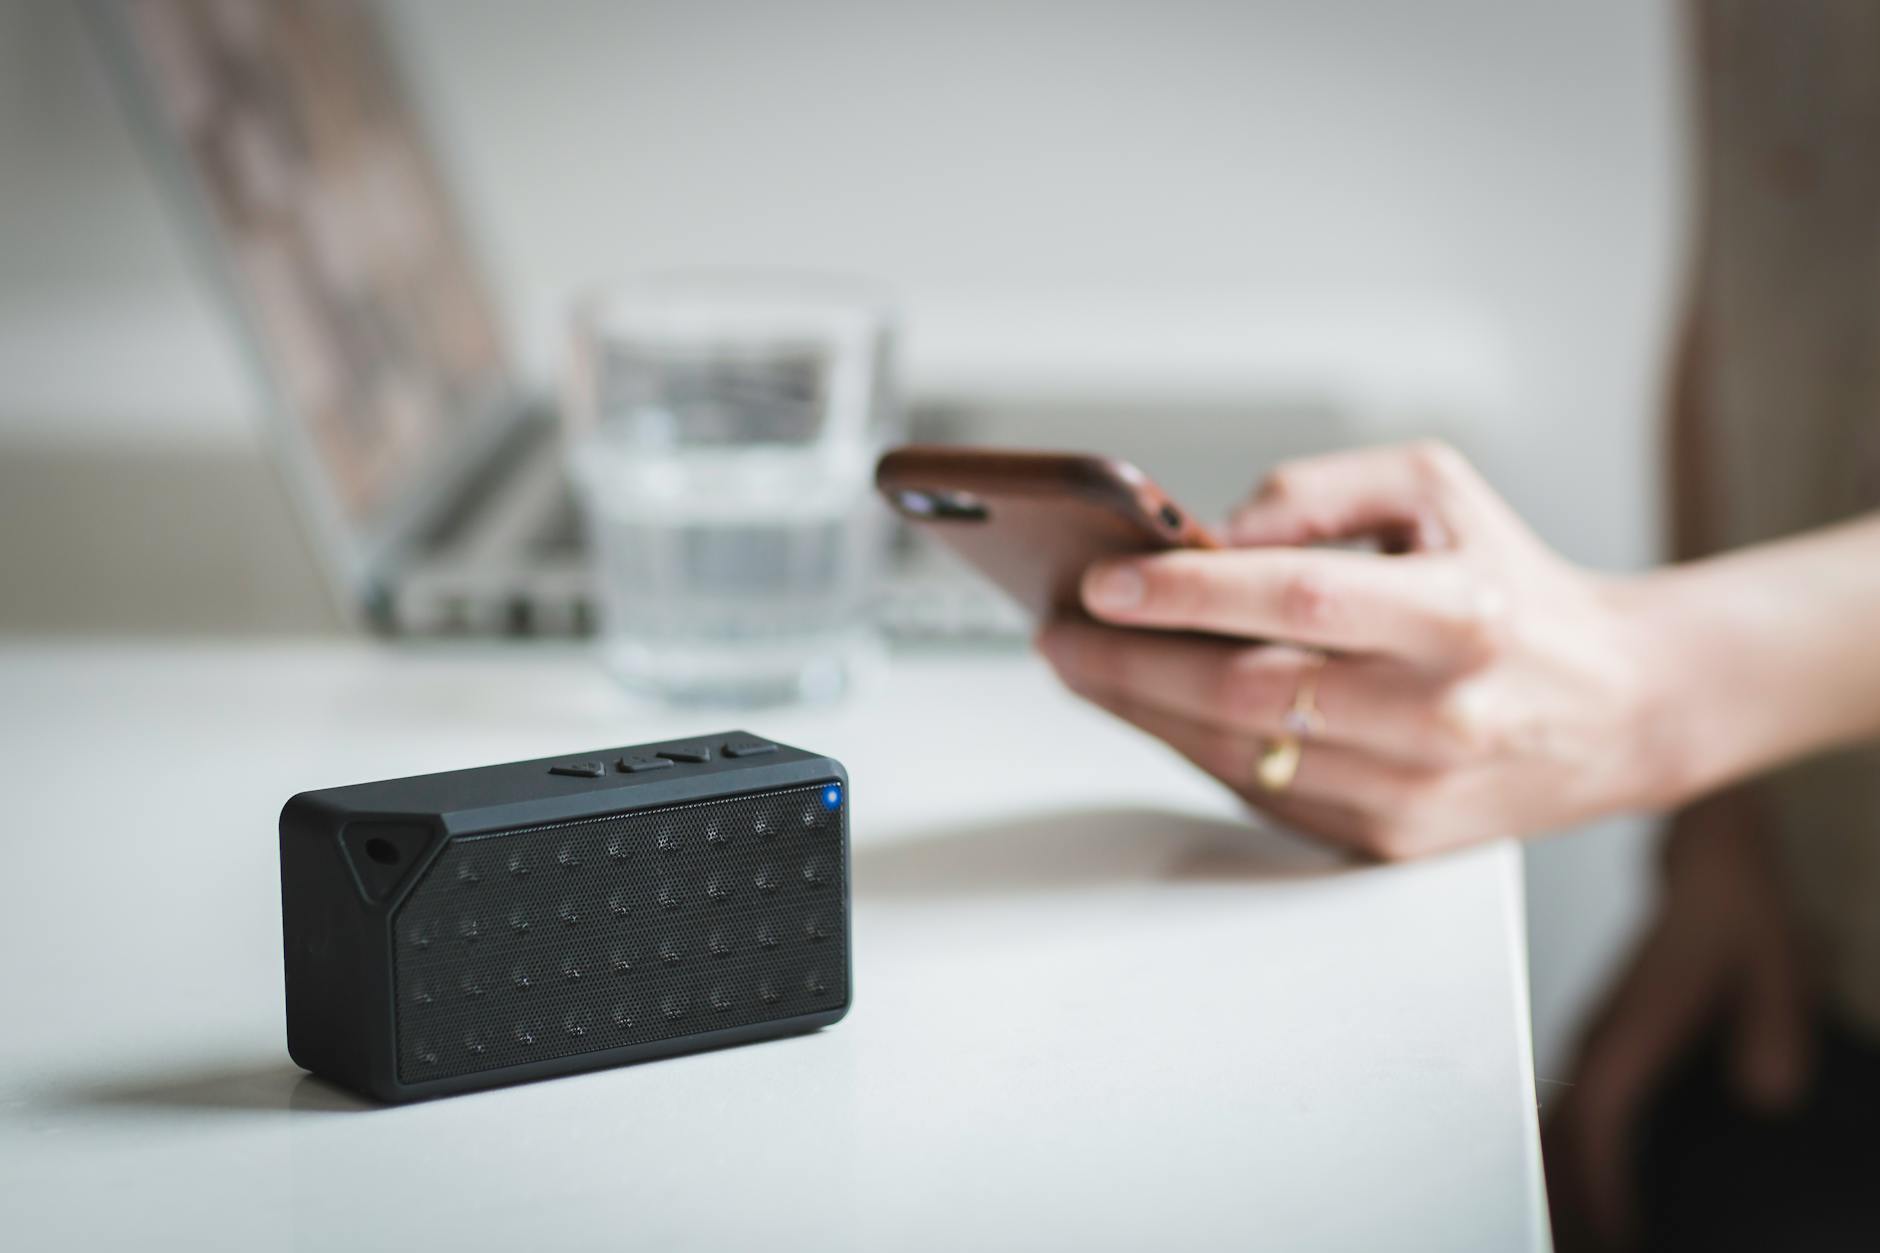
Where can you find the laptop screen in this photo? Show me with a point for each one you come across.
(352, 275)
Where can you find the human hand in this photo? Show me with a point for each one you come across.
(1721, 952)
(1476, 685)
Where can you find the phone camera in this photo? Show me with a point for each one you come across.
(941, 506)
(920, 504)
(1171, 517)
(959, 507)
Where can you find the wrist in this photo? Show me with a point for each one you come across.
(1677, 739)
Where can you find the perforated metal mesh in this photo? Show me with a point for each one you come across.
(553, 941)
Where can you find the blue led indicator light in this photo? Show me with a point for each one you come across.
(832, 796)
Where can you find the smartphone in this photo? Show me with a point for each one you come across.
(1032, 522)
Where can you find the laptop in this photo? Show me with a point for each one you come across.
(431, 485)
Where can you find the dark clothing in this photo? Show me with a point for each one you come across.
(1717, 1177)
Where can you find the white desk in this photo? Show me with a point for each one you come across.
(1094, 1010)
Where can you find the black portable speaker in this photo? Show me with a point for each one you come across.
(459, 930)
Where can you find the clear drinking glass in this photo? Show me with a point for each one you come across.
(725, 435)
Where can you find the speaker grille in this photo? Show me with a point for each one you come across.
(553, 941)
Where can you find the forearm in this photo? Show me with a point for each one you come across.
(1758, 657)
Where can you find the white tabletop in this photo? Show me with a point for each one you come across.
(1094, 1008)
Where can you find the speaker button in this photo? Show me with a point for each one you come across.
(693, 753)
(643, 761)
(580, 769)
(748, 748)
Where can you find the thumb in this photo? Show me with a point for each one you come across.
(1397, 494)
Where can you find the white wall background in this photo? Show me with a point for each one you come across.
(1510, 166)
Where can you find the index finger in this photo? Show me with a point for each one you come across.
(1424, 607)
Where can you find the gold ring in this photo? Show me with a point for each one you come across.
(1278, 761)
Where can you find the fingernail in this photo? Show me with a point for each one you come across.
(1243, 523)
(1431, 534)
(1254, 526)
(1119, 587)
(1246, 534)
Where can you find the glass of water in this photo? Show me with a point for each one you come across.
(725, 432)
